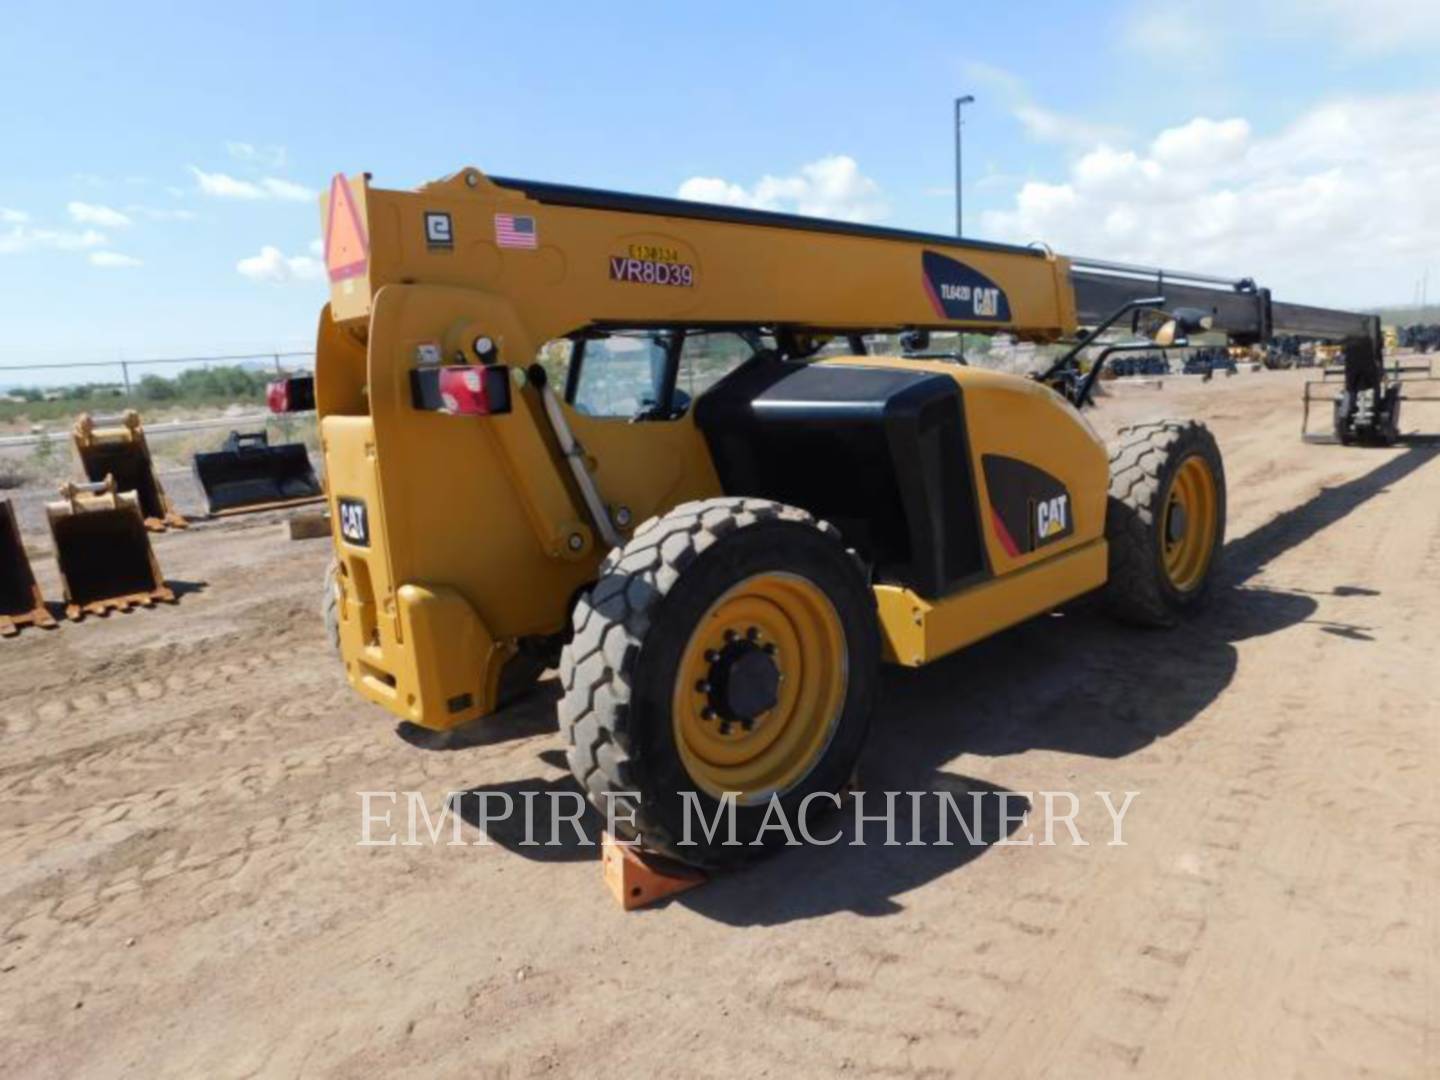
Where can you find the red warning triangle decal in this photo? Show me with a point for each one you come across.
(347, 251)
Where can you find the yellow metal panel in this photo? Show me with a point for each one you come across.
(478, 533)
(744, 274)
(1020, 418)
(917, 630)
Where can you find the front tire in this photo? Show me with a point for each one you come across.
(1165, 523)
(730, 646)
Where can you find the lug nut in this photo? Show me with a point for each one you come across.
(753, 633)
(702, 687)
(711, 656)
(707, 713)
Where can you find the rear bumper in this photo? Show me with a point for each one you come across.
(437, 666)
(418, 649)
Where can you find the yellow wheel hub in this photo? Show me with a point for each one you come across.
(760, 687)
(1187, 537)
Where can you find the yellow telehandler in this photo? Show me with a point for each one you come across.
(645, 440)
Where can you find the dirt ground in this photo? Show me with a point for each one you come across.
(182, 892)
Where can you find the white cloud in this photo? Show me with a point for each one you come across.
(1198, 35)
(832, 187)
(1177, 32)
(1041, 124)
(1375, 26)
(1342, 206)
(1046, 125)
(13, 217)
(264, 157)
(20, 238)
(113, 260)
(160, 213)
(223, 186)
(94, 214)
(286, 189)
(274, 266)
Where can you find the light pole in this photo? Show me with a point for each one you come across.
(960, 103)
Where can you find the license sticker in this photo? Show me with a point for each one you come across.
(652, 264)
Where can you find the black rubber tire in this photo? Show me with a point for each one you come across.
(1142, 466)
(1344, 433)
(330, 605)
(630, 630)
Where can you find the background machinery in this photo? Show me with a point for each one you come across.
(645, 439)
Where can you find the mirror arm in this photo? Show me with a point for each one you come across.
(1083, 391)
(1119, 313)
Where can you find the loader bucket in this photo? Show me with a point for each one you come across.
(116, 447)
(103, 550)
(247, 473)
(20, 600)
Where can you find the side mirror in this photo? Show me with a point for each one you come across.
(1168, 334)
(915, 341)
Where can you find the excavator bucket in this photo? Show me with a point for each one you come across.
(247, 473)
(103, 550)
(20, 600)
(115, 446)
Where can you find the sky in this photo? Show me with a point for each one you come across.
(160, 163)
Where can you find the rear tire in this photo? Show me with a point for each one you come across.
(642, 728)
(1165, 522)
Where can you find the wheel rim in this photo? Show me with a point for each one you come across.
(1187, 535)
(760, 687)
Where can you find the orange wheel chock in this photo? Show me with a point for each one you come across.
(638, 879)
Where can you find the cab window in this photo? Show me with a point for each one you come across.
(706, 358)
(653, 374)
(621, 374)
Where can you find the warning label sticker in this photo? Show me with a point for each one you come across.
(347, 249)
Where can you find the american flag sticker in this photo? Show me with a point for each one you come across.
(516, 231)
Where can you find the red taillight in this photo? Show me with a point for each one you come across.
(291, 395)
(462, 390)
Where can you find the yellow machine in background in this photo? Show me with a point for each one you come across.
(708, 503)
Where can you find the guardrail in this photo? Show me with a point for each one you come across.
(123, 366)
(164, 427)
